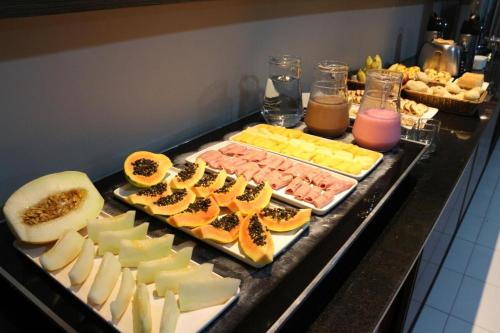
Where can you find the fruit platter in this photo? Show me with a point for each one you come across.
(344, 158)
(136, 283)
(221, 224)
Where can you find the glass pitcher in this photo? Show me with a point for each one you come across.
(328, 107)
(283, 95)
(378, 122)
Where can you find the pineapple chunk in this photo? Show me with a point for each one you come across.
(170, 314)
(170, 280)
(132, 252)
(148, 270)
(194, 295)
(105, 279)
(83, 265)
(343, 154)
(64, 251)
(120, 304)
(141, 310)
(109, 241)
(119, 222)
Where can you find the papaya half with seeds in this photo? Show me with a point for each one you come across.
(189, 175)
(223, 230)
(255, 240)
(230, 190)
(209, 183)
(145, 169)
(253, 199)
(202, 211)
(284, 219)
(149, 195)
(172, 204)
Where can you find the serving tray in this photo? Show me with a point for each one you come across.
(282, 240)
(358, 176)
(192, 321)
(280, 194)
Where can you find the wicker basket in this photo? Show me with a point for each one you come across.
(445, 104)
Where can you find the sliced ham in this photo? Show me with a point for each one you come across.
(271, 176)
(254, 155)
(261, 175)
(212, 158)
(310, 173)
(317, 179)
(339, 186)
(233, 149)
(286, 164)
(313, 194)
(280, 182)
(231, 164)
(272, 161)
(294, 185)
(321, 201)
(302, 191)
(247, 170)
(327, 181)
(296, 171)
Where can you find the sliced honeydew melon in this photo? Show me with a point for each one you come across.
(109, 241)
(64, 251)
(118, 222)
(132, 252)
(105, 279)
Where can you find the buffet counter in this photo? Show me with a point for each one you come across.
(354, 269)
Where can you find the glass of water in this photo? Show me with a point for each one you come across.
(283, 95)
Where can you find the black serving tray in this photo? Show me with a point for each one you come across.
(270, 295)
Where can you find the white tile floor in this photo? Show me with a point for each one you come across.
(466, 294)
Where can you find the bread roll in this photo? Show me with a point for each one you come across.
(453, 88)
(470, 80)
(472, 95)
(417, 86)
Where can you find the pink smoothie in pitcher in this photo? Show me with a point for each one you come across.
(377, 129)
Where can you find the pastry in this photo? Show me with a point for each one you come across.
(470, 80)
(472, 95)
(453, 88)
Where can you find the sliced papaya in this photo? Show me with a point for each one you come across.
(172, 204)
(284, 219)
(42, 210)
(253, 199)
(149, 195)
(145, 169)
(189, 175)
(201, 212)
(223, 230)
(231, 189)
(209, 183)
(255, 240)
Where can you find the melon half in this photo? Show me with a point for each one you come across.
(42, 210)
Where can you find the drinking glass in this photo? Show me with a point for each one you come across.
(427, 130)
(283, 95)
(328, 107)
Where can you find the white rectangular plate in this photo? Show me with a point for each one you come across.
(281, 239)
(193, 321)
(280, 194)
(359, 176)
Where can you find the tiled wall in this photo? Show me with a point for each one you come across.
(81, 91)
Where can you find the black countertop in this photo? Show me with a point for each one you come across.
(351, 297)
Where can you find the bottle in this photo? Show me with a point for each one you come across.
(378, 122)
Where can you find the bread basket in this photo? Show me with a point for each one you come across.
(445, 104)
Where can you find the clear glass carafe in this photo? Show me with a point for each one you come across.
(328, 106)
(283, 96)
(378, 122)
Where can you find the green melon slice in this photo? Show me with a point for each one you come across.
(42, 210)
(199, 294)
